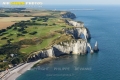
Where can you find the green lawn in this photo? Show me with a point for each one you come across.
(46, 43)
(54, 24)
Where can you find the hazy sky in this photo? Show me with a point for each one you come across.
(71, 1)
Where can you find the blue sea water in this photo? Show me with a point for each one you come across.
(104, 25)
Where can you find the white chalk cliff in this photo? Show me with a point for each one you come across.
(73, 46)
(76, 24)
(77, 45)
(77, 32)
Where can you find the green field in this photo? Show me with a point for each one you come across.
(41, 30)
(25, 37)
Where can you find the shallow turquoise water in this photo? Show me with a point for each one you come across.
(104, 25)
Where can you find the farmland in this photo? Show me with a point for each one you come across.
(8, 21)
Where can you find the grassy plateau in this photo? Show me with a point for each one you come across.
(24, 33)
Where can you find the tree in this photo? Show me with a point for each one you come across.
(3, 38)
(15, 61)
(33, 33)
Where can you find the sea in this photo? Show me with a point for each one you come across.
(103, 21)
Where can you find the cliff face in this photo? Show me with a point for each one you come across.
(77, 45)
(68, 15)
(78, 29)
(78, 32)
(73, 46)
(76, 24)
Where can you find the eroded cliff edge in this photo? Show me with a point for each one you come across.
(77, 43)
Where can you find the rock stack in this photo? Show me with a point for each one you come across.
(96, 47)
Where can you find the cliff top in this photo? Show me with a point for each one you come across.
(24, 37)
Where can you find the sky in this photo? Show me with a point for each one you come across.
(70, 1)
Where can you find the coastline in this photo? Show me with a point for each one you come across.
(15, 72)
(12, 75)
